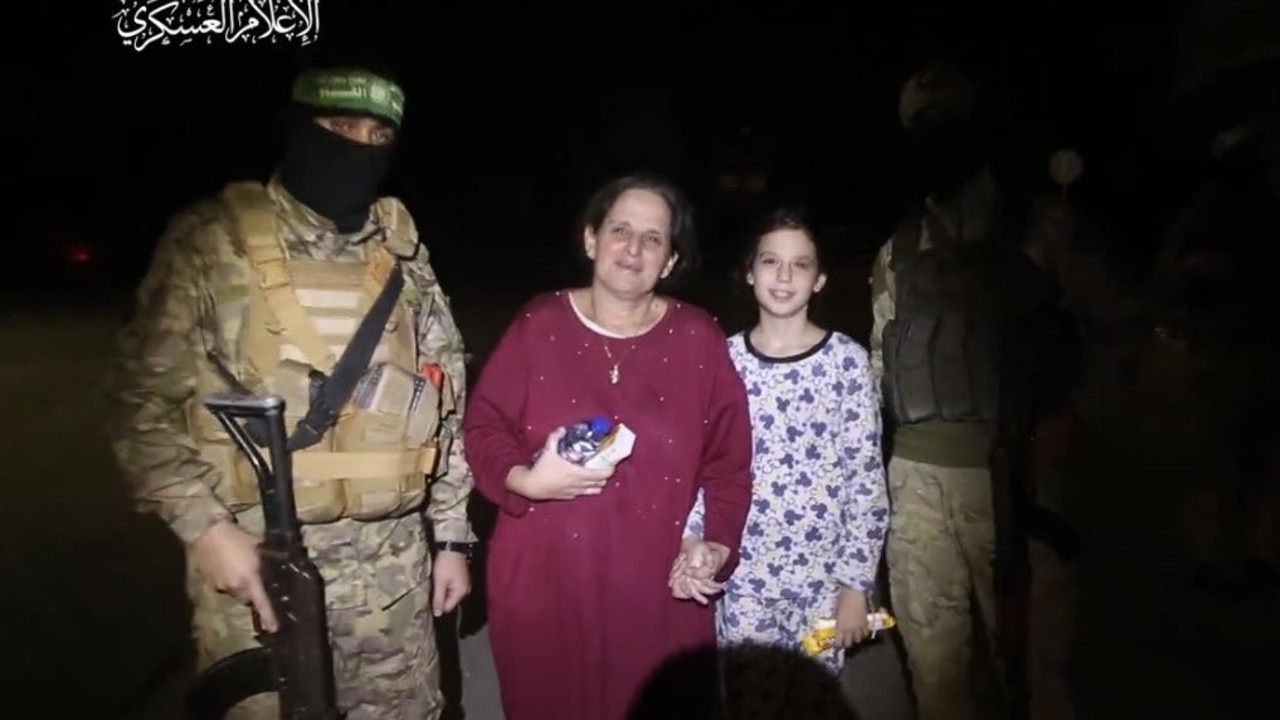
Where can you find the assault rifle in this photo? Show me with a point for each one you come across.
(1037, 341)
(1012, 569)
(1011, 483)
(296, 661)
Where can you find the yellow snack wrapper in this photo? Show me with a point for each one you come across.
(824, 633)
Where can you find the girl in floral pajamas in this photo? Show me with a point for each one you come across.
(819, 510)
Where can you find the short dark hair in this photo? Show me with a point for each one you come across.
(790, 216)
(684, 236)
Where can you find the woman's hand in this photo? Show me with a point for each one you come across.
(554, 478)
(693, 572)
(852, 626)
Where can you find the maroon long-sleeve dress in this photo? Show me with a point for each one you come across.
(580, 614)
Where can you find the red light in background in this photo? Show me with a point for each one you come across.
(79, 255)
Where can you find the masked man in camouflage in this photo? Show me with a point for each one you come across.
(256, 288)
(939, 290)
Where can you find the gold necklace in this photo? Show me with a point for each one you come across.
(614, 374)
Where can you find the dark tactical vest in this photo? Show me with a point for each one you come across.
(942, 348)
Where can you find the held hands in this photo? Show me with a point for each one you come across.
(554, 478)
(227, 556)
(851, 618)
(693, 572)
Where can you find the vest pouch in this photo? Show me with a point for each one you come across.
(381, 409)
(424, 415)
(318, 500)
(378, 422)
(913, 370)
(237, 484)
(424, 426)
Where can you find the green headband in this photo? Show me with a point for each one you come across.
(354, 90)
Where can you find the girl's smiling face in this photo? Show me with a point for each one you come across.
(785, 272)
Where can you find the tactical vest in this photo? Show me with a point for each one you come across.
(941, 349)
(300, 315)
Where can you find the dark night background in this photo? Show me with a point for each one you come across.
(515, 110)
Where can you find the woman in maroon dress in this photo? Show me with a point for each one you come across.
(581, 612)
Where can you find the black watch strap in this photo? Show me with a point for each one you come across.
(464, 548)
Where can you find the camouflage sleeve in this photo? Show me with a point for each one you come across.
(440, 342)
(153, 378)
(882, 308)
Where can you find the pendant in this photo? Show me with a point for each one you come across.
(613, 374)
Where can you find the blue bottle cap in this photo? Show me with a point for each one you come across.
(600, 425)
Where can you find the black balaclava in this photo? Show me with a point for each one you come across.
(937, 107)
(333, 175)
(947, 153)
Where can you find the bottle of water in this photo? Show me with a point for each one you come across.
(582, 439)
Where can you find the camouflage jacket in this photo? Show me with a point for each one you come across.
(197, 281)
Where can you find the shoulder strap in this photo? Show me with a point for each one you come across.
(380, 266)
(332, 381)
(330, 394)
(399, 236)
(258, 228)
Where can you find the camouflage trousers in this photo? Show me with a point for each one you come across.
(940, 550)
(377, 591)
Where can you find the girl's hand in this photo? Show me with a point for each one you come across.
(689, 587)
(694, 569)
(851, 618)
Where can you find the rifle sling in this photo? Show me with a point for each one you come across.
(329, 394)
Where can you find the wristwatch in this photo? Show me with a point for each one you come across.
(462, 548)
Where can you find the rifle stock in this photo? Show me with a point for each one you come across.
(296, 661)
